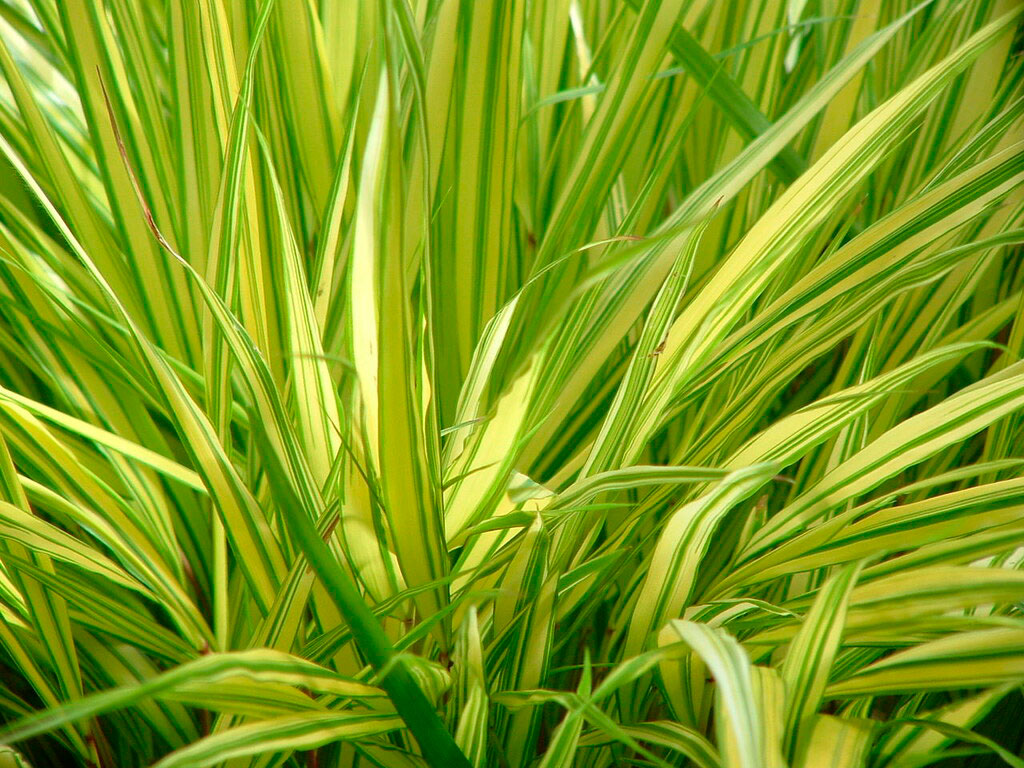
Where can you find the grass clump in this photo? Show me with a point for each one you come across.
(552, 383)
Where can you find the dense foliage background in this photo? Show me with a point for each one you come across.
(529, 383)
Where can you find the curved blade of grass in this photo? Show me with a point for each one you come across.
(280, 734)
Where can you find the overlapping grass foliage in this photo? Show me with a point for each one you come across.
(525, 383)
